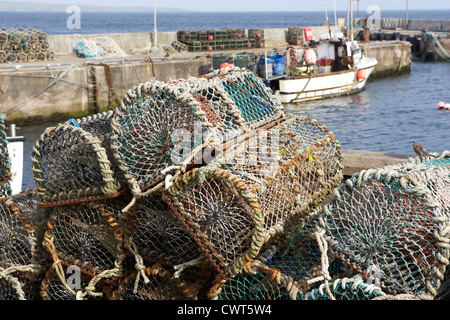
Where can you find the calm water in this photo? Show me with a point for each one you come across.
(386, 117)
(119, 22)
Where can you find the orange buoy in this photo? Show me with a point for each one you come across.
(441, 105)
(362, 74)
(310, 57)
(227, 65)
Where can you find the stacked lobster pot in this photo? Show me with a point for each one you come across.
(217, 171)
(83, 192)
(392, 226)
(175, 194)
(384, 235)
(24, 45)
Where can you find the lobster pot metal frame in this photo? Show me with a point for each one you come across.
(73, 163)
(234, 206)
(392, 225)
(89, 236)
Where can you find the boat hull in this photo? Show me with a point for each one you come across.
(322, 86)
(15, 151)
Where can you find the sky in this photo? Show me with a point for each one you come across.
(260, 5)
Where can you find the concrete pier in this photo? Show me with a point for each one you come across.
(70, 86)
(358, 160)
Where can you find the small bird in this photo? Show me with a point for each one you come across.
(419, 150)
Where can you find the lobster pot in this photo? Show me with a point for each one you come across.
(221, 215)
(21, 257)
(5, 161)
(155, 234)
(354, 288)
(17, 288)
(391, 224)
(254, 100)
(90, 236)
(290, 167)
(75, 286)
(297, 255)
(293, 264)
(17, 44)
(154, 129)
(74, 163)
(165, 126)
(161, 285)
(253, 190)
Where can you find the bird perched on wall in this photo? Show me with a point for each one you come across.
(419, 150)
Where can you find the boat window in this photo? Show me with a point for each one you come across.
(341, 51)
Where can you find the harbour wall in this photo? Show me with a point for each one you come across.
(414, 24)
(72, 87)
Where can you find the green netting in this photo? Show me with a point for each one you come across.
(391, 225)
(345, 289)
(254, 100)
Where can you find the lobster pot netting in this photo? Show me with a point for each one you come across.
(20, 252)
(345, 289)
(392, 225)
(245, 93)
(220, 214)
(73, 163)
(71, 284)
(161, 127)
(90, 236)
(5, 162)
(290, 167)
(18, 288)
(258, 282)
(161, 284)
(152, 126)
(287, 270)
(252, 191)
(154, 233)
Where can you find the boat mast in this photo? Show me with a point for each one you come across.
(335, 16)
(351, 20)
(348, 15)
(326, 16)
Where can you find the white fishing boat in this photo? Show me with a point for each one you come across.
(15, 152)
(330, 68)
